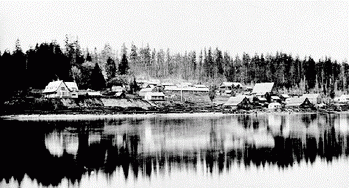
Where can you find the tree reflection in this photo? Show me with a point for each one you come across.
(220, 147)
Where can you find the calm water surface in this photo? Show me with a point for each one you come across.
(269, 150)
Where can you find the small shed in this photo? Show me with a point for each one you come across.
(154, 96)
(238, 102)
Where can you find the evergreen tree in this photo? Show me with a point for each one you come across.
(193, 64)
(97, 79)
(110, 68)
(219, 63)
(309, 68)
(5, 74)
(18, 64)
(238, 69)
(88, 57)
(245, 68)
(145, 58)
(200, 67)
(134, 59)
(123, 66)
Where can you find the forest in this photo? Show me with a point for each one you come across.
(97, 70)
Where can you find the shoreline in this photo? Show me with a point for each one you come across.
(36, 117)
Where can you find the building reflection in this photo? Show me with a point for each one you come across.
(49, 152)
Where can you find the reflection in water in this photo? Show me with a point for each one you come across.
(50, 152)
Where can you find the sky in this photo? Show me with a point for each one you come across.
(305, 28)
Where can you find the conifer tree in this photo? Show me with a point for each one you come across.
(123, 66)
(97, 79)
(110, 68)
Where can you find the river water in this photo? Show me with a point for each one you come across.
(264, 150)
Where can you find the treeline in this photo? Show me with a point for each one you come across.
(97, 70)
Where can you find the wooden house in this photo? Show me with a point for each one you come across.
(61, 89)
(299, 102)
(227, 87)
(261, 89)
(154, 96)
(238, 102)
(144, 91)
(313, 98)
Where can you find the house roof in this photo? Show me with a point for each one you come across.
(53, 86)
(275, 97)
(118, 88)
(200, 86)
(167, 84)
(233, 101)
(176, 88)
(157, 94)
(263, 88)
(72, 85)
(171, 88)
(146, 90)
(295, 101)
(310, 96)
(285, 95)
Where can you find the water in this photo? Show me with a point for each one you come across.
(267, 150)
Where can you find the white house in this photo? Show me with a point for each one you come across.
(61, 89)
(154, 96)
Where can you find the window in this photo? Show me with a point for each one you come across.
(63, 88)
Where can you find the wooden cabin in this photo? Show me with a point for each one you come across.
(299, 102)
(238, 102)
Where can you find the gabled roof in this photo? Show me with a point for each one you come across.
(275, 97)
(157, 94)
(233, 101)
(263, 88)
(200, 86)
(167, 84)
(285, 96)
(72, 86)
(118, 88)
(295, 101)
(53, 86)
(311, 96)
